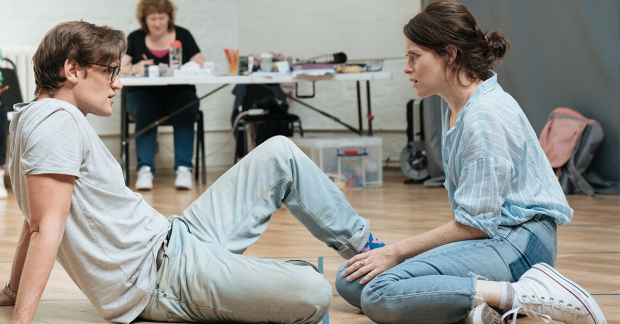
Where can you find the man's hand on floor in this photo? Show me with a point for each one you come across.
(6, 300)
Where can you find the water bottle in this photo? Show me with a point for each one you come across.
(176, 55)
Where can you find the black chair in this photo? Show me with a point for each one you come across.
(13, 95)
(199, 155)
(273, 121)
(276, 120)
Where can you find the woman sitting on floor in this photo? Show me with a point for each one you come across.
(505, 197)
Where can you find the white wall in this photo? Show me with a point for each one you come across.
(362, 29)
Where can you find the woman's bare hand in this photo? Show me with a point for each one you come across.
(135, 69)
(374, 262)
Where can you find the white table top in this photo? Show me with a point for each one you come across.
(249, 79)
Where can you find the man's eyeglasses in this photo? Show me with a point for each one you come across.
(116, 70)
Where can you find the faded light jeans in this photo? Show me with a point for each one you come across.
(205, 277)
(438, 286)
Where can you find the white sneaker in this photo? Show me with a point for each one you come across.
(483, 314)
(145, 179)
(544, 294)
(184, 178)
(3, 192)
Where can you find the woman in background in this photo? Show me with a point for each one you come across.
(150, 45)
(504, 195)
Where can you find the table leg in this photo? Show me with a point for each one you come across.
(204, 160)
(197, 157)
(370, 116)
(359, 108)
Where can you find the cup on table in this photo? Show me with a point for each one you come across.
(151, 71)
(210, 68)
(266, 62)
(164, 70)
(233, 67)
(243, 65)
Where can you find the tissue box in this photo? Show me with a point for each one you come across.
(350, 162)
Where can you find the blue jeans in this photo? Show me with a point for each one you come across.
(438, 286)
(147, 106)
(205, 277)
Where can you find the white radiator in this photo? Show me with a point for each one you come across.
(21, 55)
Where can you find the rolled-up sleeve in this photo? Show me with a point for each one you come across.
(483, 186)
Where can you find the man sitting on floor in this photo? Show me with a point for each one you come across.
(128, 259)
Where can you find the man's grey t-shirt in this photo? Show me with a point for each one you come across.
(112, 235)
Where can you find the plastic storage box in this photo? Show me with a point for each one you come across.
(350, 162)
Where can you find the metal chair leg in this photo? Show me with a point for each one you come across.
(197, 157)
(201, 133)
(204, 158)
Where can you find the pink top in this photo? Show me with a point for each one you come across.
(158, 53)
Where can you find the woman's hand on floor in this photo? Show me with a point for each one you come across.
(6, 300)
(374, 262)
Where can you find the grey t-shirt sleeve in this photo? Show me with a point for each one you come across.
(54, 146)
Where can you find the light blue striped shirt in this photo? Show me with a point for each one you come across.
(496, 171)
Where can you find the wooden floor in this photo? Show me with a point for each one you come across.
(588, 247)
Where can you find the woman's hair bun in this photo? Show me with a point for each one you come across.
(498, 44)
(447, 22)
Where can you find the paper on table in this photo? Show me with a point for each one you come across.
(283, 67)
(266, 74)
(315, 72)
(190, 65)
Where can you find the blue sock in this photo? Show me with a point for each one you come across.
(373, 243)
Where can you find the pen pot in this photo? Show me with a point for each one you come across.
(234, 67)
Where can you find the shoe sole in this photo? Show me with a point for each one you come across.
(581, 294)
(484, 315)
(490, 316)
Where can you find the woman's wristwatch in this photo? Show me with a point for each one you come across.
(7, 290)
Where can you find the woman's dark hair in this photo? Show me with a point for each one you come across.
(446, 23)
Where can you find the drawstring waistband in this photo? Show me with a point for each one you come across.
(160, 254)
(163, 259)
(164, 264)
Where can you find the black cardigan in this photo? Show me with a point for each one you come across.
(137, 46)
